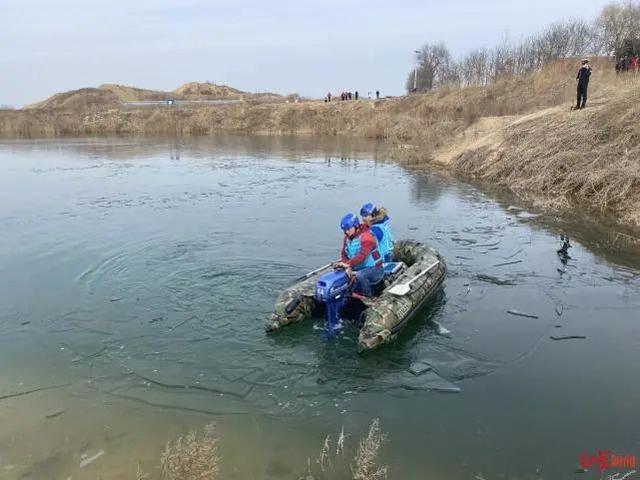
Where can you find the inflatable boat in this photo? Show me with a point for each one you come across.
(409, 283)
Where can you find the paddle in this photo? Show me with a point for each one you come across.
(312, 272)
(405, 288)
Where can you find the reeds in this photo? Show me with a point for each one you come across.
(343, 461)
(366, 465)
(192, 457)
(195, 456)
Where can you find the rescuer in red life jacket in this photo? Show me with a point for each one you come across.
(360, 255)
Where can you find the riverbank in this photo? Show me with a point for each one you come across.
(518, 133)
(559, 159)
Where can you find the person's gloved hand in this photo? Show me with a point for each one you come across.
(351, 274)
(342, 265)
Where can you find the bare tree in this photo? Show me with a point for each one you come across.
(583, 38)
(433, 60)
(501, 61)
(450, 75)
(568, 39)
(617, 28)
(617, 23)
(474, 67)
(563, 39)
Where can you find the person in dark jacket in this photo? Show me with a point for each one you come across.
(583, 83)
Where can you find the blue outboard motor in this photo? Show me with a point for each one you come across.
(333, 289)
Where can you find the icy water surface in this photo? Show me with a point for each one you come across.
(136, 276)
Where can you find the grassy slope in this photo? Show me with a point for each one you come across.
(518, 132)
(558, 158)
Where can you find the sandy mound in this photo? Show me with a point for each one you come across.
(206, 91)
(105, 96)
(110, 95)
(133, 94)
(81, 99)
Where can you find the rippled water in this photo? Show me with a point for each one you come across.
(137, 274)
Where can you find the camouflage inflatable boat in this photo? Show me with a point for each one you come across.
(410, 282)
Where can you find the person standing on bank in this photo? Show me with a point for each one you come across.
(583, 83)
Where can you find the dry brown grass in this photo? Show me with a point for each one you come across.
(195, 457)
(560, 158)
(366, 465)
(191, 457)
(343, 461)
(432, 121)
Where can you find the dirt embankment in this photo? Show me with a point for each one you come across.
(557, 158)
(518, 133)
(109, 96)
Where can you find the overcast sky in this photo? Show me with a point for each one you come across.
(309, 47)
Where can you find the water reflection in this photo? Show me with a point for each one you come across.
(426, 189)
(289, 147)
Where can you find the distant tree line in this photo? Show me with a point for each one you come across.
(616, 31)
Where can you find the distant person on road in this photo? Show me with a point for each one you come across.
(329, 96)
(583, 83)
(378, 94)
(633, 63)
(356, 94)
(349, 95)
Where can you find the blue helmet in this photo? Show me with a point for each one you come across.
(367, 209)
(349, 221)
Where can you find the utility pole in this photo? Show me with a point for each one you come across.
(415, 72)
